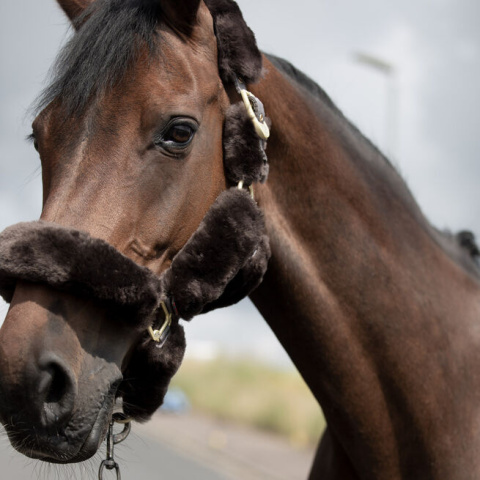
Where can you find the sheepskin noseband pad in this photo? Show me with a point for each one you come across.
(72, 261)
(229, 246)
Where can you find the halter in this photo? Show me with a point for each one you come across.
(223, 261)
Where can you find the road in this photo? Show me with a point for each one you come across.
(140, 458)
(178, 447)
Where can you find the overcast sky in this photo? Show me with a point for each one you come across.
(432, 45)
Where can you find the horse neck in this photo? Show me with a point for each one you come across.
(333, 204)
(356, 276)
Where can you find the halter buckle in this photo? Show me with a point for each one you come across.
(255, 110)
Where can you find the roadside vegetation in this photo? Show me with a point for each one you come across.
(260, 396)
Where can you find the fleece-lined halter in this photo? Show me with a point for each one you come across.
(223, 261)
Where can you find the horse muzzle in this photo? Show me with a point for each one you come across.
(57, 390)
(55, 416)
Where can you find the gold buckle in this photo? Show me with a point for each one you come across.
(157, 334)
(261, 126)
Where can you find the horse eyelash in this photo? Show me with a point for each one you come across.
(33, 140)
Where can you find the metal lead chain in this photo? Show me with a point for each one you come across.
(112, 439)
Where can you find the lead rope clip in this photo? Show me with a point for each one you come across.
(113, 439)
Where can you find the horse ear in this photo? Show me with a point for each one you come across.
(180, 14)
(74, 8)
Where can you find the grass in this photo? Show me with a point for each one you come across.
(257, 395)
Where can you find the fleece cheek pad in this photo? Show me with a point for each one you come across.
(229, 243)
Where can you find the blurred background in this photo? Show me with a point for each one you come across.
(406, 73)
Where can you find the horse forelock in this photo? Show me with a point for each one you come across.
(111, 35)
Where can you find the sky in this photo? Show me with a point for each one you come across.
(425, 113)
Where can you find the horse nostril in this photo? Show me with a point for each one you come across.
(57, 391)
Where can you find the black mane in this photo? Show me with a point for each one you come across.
(461, 247)
(302, 79)
(110, 35)
(312, 88)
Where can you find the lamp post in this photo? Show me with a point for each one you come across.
(391, 120)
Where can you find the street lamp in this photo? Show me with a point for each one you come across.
(389, 71)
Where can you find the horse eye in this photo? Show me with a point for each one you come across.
(176, 136)
(179, 135)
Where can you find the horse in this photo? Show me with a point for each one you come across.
(377, 308)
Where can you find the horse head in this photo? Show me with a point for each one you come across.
(131, 139)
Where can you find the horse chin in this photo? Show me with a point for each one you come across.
(74, 444)
(67, 451)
